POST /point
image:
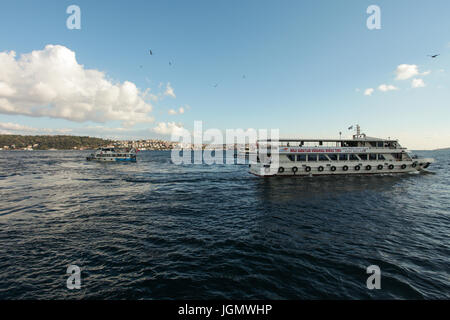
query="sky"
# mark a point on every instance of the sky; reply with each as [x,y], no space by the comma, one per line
[308,68]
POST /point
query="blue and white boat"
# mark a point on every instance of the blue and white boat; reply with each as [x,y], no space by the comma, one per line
[113,154]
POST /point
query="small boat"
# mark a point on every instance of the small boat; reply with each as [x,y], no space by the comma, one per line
[109,154]
[360,155]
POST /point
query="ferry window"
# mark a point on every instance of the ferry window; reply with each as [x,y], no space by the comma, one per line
[372,156]
[381,157]
[291,157]
[353,157]
[301,157]
[323,157]
[312,157]
[343,157]
[362,156]
[258,160]
[380,144]
[332,156]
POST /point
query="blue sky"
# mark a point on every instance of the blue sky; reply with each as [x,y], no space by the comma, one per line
[307,65]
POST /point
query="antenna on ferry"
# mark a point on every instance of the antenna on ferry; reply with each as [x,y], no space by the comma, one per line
[358,134]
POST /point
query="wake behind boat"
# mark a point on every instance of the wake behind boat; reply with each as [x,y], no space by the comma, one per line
[113,154]
[360,155]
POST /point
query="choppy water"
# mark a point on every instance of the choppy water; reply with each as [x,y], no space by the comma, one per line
[154,230]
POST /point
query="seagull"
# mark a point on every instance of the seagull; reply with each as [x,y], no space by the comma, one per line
[170,63]
[215,85]
[243,77]
[434,55]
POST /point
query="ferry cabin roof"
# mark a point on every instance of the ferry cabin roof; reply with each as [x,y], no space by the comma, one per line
[358,142]
[367,139]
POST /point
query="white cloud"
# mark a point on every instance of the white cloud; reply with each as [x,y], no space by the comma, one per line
[387,87]
[173,112]
[418,83]
[368,92]
[51,83]
[19,128]
[169,91]
[6,90]
[168,128]
[406,71]
[15,127]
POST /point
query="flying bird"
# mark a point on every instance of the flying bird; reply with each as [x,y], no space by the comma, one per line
[434,55]
[243,77]
[151,53]
[215,85]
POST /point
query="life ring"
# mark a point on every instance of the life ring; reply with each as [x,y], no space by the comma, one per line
[333,168]
[357,168]
[414,164]
[280,170]
[368,167]
[320,168]
[403,166]
[294,169]
[345,168]
[380,167]
[307,169]
[391,166]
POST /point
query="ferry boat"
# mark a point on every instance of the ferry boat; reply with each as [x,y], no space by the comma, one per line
[113,154]
[360,155]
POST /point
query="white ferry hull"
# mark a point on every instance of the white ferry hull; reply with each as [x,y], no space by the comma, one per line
[111,159]
[342,168]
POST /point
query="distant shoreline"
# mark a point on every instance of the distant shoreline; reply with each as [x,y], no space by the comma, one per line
[68,142]
[80,143]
